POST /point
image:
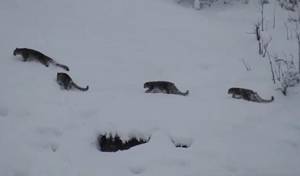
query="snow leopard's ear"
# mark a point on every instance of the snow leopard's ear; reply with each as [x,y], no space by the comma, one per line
[232,90]
[146,85]
[15,51]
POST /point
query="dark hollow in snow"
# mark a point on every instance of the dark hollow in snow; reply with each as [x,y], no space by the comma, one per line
[109,143]
[181,144]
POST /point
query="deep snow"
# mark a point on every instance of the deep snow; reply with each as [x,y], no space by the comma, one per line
[114,46]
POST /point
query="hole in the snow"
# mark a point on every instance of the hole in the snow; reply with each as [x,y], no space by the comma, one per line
[113,143]
[181,146]
[182,142]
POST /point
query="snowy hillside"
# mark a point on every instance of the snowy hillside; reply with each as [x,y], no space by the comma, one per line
[114,46]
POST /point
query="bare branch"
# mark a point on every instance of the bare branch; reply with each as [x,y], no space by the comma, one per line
[248,68]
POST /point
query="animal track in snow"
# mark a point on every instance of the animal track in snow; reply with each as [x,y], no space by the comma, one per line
[49,131]
[3,112]
[137,169]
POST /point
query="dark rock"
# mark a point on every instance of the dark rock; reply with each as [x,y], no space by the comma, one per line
[181,146]
[110,143]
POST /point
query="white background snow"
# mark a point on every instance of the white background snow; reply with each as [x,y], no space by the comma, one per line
[114,46]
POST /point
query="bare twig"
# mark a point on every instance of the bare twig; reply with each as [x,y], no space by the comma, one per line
[287,31]
[248,68]
[265,47]
[271,66]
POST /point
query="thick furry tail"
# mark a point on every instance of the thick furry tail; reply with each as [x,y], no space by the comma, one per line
[268,101]
[259,99]
[59,65]
[184,93]
[80,88]
[63,66]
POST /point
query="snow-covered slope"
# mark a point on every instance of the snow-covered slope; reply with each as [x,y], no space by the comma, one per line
[114,46]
